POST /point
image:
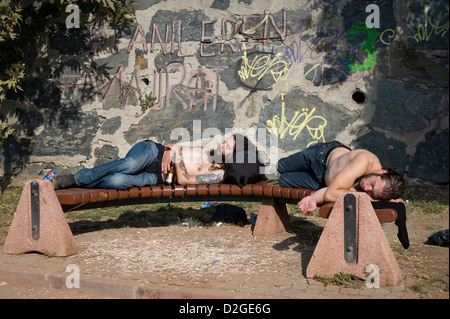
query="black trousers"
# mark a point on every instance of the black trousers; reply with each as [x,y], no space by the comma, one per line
[400,222]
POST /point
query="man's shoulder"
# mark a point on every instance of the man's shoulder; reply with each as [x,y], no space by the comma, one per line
[361,154]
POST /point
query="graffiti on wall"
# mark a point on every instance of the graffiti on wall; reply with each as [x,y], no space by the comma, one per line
[290,68]
[329,57]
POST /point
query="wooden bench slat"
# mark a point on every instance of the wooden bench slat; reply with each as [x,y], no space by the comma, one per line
[191,190]
[258,190]
[247,190]
[134,192]
[123,194]
[146,191]
[214,189]
[235,190]
[156,191]
[286,192]
[112,194]
[82,196]
[225,189]
[267,190]
[276,191]
[202,190]
[384,215]
[167,191]
[179,190]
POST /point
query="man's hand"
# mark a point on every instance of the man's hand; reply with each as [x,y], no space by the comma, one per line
[307,205]
[167,158]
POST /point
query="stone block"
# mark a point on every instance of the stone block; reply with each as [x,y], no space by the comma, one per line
[273,218]
[53,235]
[372,246]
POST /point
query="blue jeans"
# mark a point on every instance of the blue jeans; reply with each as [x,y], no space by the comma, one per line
[124,173]
[306,169]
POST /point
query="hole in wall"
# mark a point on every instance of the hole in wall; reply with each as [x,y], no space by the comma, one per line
[358,97]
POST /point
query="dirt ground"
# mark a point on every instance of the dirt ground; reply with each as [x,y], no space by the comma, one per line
[204,255]
[209,257]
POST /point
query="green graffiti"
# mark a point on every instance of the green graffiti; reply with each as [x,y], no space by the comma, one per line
[367,46]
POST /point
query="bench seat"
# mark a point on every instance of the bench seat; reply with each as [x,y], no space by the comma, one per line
[86,198]
[385,215]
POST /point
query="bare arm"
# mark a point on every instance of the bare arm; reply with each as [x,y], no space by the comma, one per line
[309,203]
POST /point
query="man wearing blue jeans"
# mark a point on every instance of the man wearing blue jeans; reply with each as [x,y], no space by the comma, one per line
[332,168]
[137,168]
[147,161]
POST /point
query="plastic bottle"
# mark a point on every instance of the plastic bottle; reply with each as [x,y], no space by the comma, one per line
[50,175]
[208,204]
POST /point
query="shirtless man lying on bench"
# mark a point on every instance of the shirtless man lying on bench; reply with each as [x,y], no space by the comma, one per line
[147,162]
[333,168]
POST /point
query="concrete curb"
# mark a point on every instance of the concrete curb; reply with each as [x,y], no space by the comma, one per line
[118,288]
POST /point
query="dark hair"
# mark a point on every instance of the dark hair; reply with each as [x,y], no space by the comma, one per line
[243,166]
[241,144]
[395,184]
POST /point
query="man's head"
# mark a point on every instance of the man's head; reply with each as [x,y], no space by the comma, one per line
[224,151]
[384,185]
[221,155]
[228,146]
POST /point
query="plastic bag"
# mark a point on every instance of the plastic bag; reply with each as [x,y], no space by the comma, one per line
[440,238]
[230,214]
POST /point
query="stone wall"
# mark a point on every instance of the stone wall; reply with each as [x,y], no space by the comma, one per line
[288,73]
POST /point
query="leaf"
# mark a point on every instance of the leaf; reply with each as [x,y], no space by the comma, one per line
[111,4]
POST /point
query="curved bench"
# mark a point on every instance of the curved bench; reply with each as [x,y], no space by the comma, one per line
[272,218]
[85,198]
[39,223]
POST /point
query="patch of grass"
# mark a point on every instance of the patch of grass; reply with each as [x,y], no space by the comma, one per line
[418,288]
[433,200]
[341,279]
[426,206]
[8,205]
[427,283]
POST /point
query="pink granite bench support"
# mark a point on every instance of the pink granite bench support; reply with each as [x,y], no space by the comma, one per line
[56,238]
[49,233]
[369,249]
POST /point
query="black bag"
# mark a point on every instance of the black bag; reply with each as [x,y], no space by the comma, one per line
[244,168]
[440,238]
[230,214]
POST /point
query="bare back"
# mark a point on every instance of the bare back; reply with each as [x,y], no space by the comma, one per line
[341,157]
